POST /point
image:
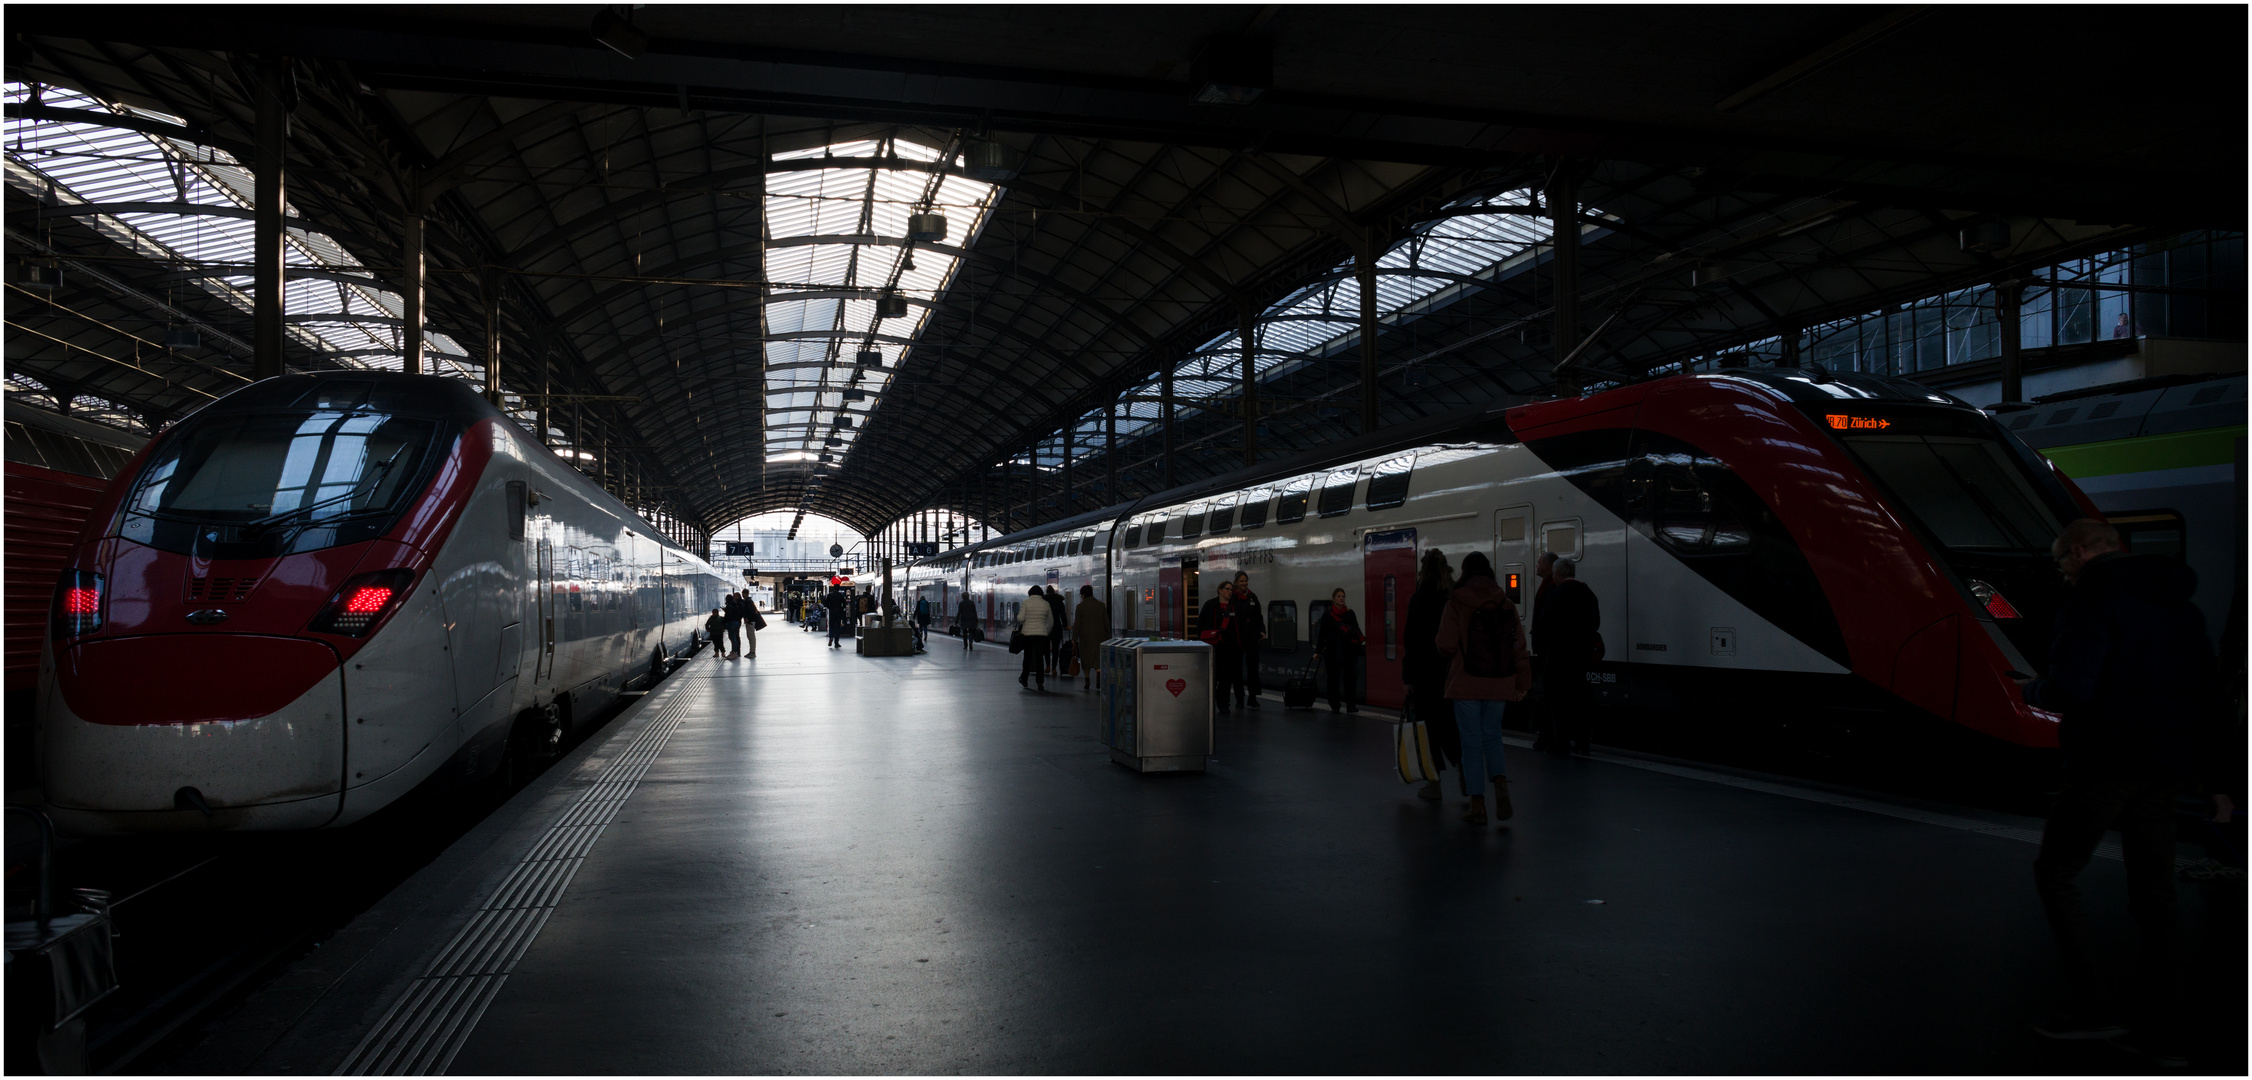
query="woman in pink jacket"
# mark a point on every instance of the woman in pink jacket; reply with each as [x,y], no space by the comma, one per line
[1487,665]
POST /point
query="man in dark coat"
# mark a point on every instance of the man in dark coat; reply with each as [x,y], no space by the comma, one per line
[966,622]
[840,607]
[1536,703]
[1338,644]
[2131,675]
[731,624]
[1567,621]
[1254,636]
[1056,638]
[1220,623]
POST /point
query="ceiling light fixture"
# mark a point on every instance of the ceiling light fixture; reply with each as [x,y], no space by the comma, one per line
[984,159]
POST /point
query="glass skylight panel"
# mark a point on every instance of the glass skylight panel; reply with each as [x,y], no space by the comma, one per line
[821,312]
[85,163]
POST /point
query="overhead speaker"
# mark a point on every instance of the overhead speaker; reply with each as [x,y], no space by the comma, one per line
[871,358]
[179,338]
[891,307]
[984,159]
[926,228]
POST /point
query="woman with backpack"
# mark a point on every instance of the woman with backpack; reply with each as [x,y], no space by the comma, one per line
[1487,667]
[1425,671]
[1338,645]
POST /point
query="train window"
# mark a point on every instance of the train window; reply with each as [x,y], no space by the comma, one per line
[1388,486]
[1192,524]
[1966,490]
[1133,536]
[515,509]
[1223,518]
[1315,613]
[1561,537]
[1337,493]
[1291,508]
[1255,508]
[1282,625]
[1687,515]
[1156,532]
[2151,532]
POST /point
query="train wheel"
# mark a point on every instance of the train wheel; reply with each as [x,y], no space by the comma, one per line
[533,743]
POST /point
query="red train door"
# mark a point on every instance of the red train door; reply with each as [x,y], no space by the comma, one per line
[1169,598]
[1388,575]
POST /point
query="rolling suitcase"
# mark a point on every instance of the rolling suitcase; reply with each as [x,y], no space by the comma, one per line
[1298,690]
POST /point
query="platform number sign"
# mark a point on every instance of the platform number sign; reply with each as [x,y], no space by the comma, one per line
[924,549]
[739,547]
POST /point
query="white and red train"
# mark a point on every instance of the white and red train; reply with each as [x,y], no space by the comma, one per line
[322,591]
[1789,538]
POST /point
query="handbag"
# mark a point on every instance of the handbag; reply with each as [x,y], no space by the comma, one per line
[1016,640]
[1411,749]
[1210,637]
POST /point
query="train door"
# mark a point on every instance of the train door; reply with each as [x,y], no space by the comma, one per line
[1388,575]
[1514,555]
[1169,598]
[544,666]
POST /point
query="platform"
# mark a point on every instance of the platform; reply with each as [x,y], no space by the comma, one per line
[820,862]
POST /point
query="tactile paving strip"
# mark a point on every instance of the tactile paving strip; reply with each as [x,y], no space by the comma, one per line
[427,1026]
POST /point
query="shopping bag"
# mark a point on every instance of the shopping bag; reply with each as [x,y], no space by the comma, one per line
[1411,749]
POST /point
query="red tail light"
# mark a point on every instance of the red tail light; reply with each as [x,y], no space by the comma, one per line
[78,603]
[1995,604]
[362,603]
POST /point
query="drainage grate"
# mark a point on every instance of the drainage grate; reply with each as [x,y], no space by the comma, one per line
[427,1026]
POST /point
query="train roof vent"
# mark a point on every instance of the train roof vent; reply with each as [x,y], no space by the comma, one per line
[2061,416]
[2103,410]
[2022,422]
[2209,395]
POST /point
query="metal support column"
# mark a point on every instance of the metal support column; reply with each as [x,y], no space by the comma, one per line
[410,292]
[270,197]
[1365,267]
[1110,455]
[1564,220]
[1247,335]
[491,281]
[2009,298]
[1165,402]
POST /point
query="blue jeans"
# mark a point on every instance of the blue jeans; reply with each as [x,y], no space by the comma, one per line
[1480,722]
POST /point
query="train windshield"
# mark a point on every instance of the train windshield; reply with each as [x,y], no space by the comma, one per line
[1956,476]
[272,483]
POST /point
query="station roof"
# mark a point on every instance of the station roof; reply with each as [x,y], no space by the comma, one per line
[692,244]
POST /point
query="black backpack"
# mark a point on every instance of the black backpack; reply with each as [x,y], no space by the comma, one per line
[1489,641]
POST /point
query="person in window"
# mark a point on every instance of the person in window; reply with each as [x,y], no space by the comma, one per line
[1221,626]
[1337,644]
[2121,329]
[1254,636]
[1488,667]
[2131,673]
[1036,621]
[1090,625]
[965,621]
[1424,670]
[1567,633]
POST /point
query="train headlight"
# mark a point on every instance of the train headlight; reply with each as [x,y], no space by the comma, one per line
[362,603]
[1995,604]
[78,603]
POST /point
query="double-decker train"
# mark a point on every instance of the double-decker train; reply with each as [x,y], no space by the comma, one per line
[1791,538]
[322,591]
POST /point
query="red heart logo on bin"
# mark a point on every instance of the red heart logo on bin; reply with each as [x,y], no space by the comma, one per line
[1176,686]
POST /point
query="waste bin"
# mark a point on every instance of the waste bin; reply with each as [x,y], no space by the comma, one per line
[1157,703]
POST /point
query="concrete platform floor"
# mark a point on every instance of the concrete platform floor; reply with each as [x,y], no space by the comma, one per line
[840,864]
